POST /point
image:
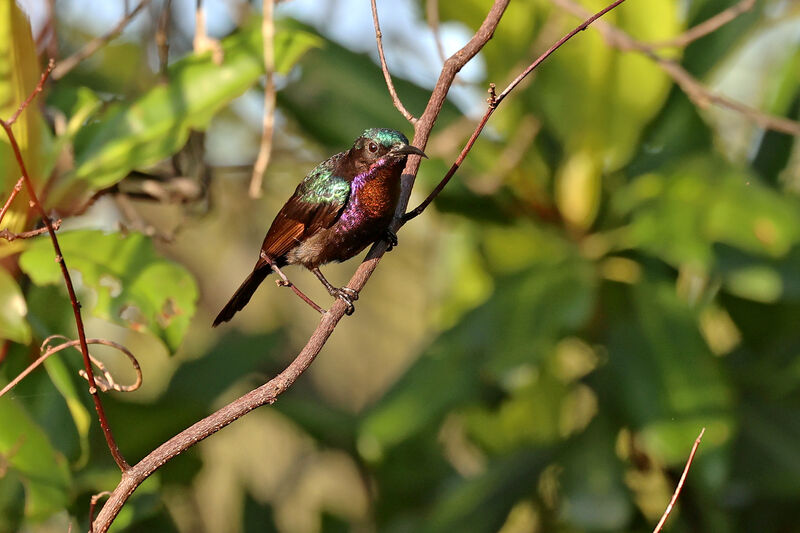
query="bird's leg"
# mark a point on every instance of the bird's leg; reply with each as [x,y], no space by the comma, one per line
[391,238]
[284,282]
[346,294]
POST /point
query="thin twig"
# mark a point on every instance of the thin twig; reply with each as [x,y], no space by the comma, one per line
[66,65]
[39,87]
[14,193]
[494,101]
[680,483]
[93,504]
[704,28]
[388,77]
[268,121]
[202,42]
[432,14]
[105,383]
[699,94]
[101,415]
[10,236]
[267,393]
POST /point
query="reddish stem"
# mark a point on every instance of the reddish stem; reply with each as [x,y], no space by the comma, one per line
[76,307]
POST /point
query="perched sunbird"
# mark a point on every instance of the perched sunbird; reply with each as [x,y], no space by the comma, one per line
[345,204]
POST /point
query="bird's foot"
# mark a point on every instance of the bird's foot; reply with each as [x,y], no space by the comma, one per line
[348,296]
[391,238]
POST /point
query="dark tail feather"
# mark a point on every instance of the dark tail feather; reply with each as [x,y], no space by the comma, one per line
[243,294]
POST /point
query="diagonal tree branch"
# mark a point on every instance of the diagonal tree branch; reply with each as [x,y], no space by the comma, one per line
[267,393]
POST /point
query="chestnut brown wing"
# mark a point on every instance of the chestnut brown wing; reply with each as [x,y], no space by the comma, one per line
[316,204]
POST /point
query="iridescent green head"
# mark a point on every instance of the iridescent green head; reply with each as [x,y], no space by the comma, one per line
[382,146]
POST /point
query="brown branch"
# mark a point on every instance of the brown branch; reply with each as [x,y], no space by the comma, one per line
[709,26]
[268,121]
[267,393]
[76,308]
[680,483]
[388,77]
[66,65]
[10,236]
[105,383]
[699,94]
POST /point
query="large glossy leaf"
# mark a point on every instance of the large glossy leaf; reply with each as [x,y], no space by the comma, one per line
[154,126]
[684,215]
[12,311]
[42,470]
[122,279]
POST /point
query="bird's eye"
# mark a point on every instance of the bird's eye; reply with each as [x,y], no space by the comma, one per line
[373,147]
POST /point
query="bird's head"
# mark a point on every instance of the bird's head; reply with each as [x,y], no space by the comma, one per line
[382,147]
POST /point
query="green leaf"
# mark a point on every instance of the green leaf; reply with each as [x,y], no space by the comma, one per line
[144,131]
[61,376]
[13,309]
[597,99]
[42,470]
[504,339]
[481,504]
[679,216]
[123,280]
[661,376]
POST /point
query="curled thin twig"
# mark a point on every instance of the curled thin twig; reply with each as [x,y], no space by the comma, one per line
[388,77]
[680,483]
[105,382]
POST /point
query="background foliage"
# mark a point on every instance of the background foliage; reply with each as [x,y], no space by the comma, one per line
[611,270]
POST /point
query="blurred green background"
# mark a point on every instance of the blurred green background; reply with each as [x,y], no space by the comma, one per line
[612,269]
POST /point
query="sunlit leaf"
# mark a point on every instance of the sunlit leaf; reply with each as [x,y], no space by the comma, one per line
[124,280]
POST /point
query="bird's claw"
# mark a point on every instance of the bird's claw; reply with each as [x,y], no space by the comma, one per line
[391,238]
[348,296]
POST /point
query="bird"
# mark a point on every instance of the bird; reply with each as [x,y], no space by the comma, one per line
[343,205]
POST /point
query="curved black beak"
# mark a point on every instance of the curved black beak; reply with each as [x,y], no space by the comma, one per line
[409,150]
